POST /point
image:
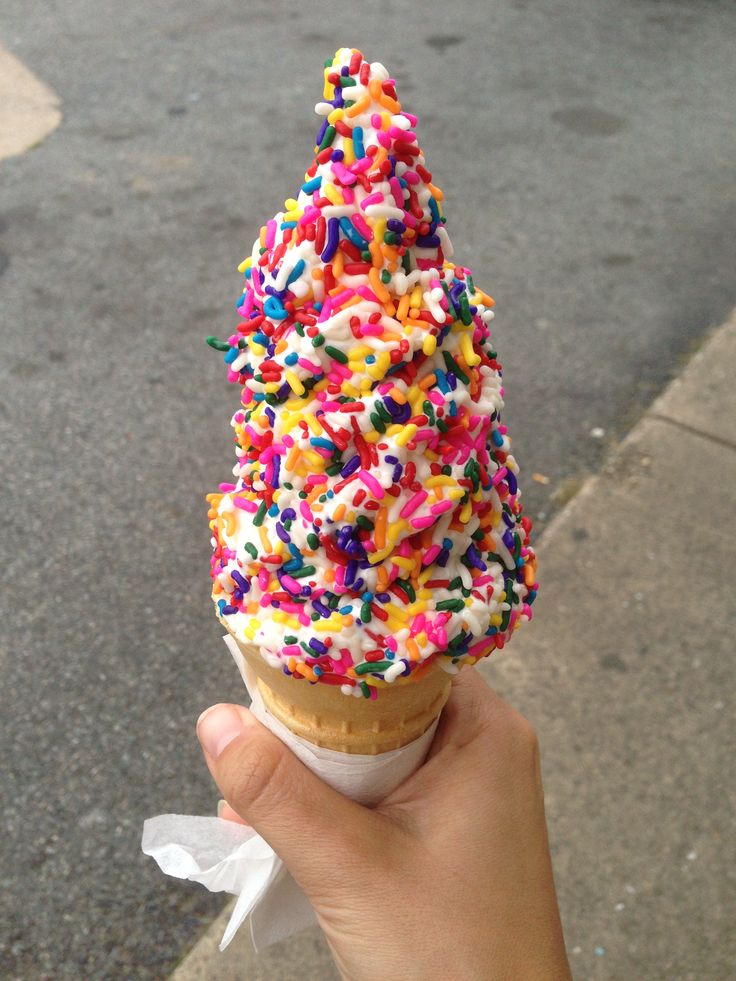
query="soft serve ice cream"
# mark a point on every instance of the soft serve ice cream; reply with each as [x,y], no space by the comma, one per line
[375,525]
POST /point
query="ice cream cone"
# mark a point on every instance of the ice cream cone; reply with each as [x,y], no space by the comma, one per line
[326,717]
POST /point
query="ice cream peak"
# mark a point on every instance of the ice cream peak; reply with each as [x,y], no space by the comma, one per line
[375,524]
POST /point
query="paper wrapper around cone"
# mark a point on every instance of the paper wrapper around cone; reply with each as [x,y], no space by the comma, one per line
[325,716]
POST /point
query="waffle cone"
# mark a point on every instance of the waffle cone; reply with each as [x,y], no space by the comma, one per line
[323,715]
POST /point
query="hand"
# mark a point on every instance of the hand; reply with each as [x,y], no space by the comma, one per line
[449,877]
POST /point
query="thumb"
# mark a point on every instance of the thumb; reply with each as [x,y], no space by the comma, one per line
[295,811]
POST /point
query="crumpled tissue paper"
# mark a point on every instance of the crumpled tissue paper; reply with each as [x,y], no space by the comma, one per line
[229,857]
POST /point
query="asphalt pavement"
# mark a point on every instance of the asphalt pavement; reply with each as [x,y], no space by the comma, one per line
[586,152]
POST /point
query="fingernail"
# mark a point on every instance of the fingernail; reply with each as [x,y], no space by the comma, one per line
[220,805]
[217,727]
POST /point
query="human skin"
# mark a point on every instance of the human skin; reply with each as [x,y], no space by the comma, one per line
[449,877]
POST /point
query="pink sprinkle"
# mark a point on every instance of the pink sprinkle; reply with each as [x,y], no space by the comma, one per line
[331,406]
[263,579]
[315,479]
[391,644]
[441,506]
[418,625]
[375,198]
[441,635]
[413,120]
[482,580]
[431,554]
[270,233]
[372,484]
[425,522]
[384,139]
[306,511]
[310,214]
[376,121]
[247,308]
[245,505]
[402,135]
[371,330]
[498,476]
[411,177]
[367,294]
[360,165]
[291,584]
[436,398]
[413,503]
[342,172]
[337,301]
[362,227]
[410,220]
[423,435]
[397,192]
[315,368]
[226,488]
[291,650]
[291,607]
[325,311]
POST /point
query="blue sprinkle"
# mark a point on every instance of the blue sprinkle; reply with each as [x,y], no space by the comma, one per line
[296,272]
[497,438]
[321,441]
[260,338]
[447,543]
[345,610]
[358,142]
[311,186]
[287,224]
[273,510]
[351,233]
[291,358]
[231,355]
[272,308]
[367,596]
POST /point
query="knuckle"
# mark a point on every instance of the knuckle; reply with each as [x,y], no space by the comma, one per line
[253,778]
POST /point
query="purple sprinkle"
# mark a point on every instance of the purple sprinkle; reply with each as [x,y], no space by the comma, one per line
[288,514]
[240,580]
[351,571]
[511,481]
[322,131]
[324,611]
[333,235]
[317,645]
[351,466]
[383,597]
[282,533]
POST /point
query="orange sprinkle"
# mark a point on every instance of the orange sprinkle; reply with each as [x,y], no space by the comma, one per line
[411,646]
[329,575]
[397,395]
[427,382]
[339,512]
[360,106]
[377,286]
[338,263]
[317,273]
[379,532]
[292,458]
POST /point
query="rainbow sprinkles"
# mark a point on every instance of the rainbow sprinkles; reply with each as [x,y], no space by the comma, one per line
[375,524]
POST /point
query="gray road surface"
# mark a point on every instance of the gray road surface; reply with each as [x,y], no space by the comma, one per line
[586,151]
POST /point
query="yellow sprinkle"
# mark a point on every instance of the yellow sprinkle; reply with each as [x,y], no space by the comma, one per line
[335,116]
[338,264]
[245,264]
[347,389]
[228,519]
[293,215]
[395,529]
[466,346]
[429,345]
[264,539]
[402,562]
[348,150]
[293,382]
[290,204]
[435,192]
[332,194]
[441,480]
[312,421]
[407,433]
[496,620]
[421,638]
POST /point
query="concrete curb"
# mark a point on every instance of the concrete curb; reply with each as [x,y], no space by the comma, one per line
[624,678]
[29,109]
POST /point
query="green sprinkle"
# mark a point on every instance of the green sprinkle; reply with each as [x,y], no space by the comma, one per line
[408,589]
[378,423]
[306,570]
[362,521]
[217,344]
[453,366]
[365,613]
[428,410]
[346,81]
[327,138]
[336,354]
[442,426]
[385,276]
[251,550]
[455,605]
[368,666]
[465,314]
[260,514]
[290,639]
[313,540]
[455,583]
[366,256]
[383,412]
[318,341]
[334,469]
[365,689]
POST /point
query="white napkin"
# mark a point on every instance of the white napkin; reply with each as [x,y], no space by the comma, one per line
[228,857]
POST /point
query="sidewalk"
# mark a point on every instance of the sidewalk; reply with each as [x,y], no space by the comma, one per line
[626,672]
